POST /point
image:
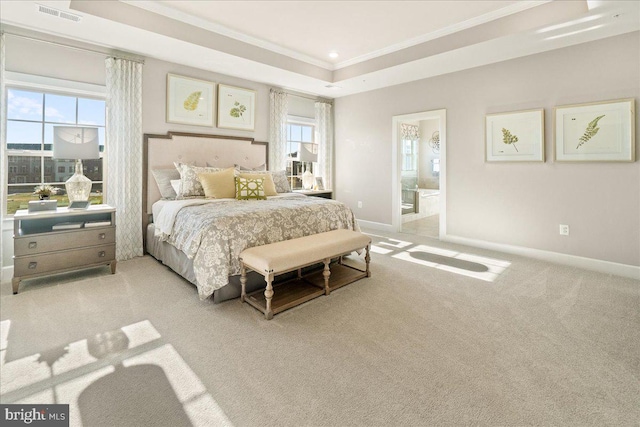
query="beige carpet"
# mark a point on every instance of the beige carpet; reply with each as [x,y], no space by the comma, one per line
[440,335]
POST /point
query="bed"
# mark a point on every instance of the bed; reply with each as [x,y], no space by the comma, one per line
[199,238]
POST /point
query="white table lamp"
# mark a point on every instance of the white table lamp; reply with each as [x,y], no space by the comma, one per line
[80,143]
[308,153]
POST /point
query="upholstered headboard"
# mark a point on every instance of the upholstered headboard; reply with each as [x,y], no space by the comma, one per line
[160,151]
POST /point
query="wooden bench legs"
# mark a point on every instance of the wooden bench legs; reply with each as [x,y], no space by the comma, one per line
[268,292]
[326,273]
[301,289]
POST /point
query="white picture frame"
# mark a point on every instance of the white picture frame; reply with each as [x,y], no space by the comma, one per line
[515,136]
[319,183]
[190,101]
[236,108]
[595,132]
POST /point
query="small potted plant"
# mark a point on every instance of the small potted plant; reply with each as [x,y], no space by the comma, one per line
[44,191]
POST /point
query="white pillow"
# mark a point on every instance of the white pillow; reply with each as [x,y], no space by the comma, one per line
[175,184]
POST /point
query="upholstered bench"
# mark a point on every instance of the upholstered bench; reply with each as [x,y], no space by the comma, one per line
[290,255]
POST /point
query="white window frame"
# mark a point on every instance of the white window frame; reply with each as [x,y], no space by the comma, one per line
[299,120]
[29,82]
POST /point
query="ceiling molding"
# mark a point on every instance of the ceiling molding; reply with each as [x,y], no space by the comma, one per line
[469,23]
[169,12]
[118,26]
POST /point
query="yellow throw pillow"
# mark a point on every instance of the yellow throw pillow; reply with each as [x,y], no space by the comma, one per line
[269,186]
[219,185]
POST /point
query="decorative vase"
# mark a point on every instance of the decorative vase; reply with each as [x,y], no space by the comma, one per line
[43,196]
[307,180]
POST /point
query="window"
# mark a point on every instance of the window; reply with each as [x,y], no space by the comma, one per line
[409,154]
[31,116]
[299,131]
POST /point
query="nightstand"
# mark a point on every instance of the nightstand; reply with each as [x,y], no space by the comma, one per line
[326,194]
[62,240]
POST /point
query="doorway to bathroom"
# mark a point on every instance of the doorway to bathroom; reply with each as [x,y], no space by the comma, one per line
[419,179]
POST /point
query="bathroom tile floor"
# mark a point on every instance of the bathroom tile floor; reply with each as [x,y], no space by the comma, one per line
[429,226]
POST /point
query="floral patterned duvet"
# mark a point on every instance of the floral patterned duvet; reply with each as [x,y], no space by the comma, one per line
[213,234]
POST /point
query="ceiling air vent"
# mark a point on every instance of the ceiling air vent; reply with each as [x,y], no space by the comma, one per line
[59,13]
[48,10]
[70,16]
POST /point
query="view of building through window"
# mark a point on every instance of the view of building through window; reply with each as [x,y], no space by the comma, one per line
[297,133]
[31,117]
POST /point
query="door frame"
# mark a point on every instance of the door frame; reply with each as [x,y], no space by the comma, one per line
[396,167]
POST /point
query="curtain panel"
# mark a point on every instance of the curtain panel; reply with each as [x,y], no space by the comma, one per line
[278,130]
[324,129]
[410,132]
[3,130]
[123,151]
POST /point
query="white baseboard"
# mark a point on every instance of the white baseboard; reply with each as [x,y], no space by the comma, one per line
[608,267]
[375,225]
[6,274]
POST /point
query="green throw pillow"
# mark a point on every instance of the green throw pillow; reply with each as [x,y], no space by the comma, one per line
[250,189]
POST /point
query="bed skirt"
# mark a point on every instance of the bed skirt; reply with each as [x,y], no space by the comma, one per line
[177,261]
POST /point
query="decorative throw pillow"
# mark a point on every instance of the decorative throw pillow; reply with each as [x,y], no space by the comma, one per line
[163,179]
[269,186]
[249,189]
[189,184]
[281,182]
[219,185]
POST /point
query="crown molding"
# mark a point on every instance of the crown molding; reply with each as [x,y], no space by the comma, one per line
[167,11]
[478,20]
[160,9]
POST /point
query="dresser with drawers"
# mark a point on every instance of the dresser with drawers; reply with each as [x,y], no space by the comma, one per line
[62,240]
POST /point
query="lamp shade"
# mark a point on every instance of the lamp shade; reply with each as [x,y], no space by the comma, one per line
[308,153]
[75,143]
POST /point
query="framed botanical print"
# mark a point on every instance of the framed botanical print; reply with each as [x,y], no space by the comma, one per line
[515,136]
[236,108]
[595,132]
[190,101]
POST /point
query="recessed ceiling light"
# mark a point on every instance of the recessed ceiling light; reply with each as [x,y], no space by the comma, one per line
[333,54]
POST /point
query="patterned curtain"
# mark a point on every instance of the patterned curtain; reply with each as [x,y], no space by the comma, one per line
[410,132]
[278,130]
[3,132]
[324,127]
[124,153]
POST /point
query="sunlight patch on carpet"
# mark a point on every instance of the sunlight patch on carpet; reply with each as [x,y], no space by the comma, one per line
[388,245]
[129,372]
[483,268]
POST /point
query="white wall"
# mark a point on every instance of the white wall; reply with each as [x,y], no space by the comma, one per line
[426,177]
[515,204]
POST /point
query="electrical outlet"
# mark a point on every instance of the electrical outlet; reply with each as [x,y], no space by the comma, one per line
[564,230]
[359,204]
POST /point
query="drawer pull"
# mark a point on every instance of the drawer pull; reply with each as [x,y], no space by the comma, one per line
[101,254]
[33,245]
[33,265]
[102,236]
